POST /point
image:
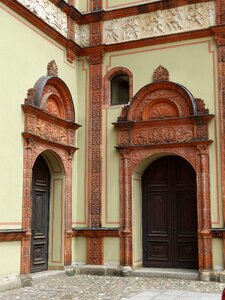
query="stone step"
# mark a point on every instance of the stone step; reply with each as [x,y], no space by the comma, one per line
[167,273]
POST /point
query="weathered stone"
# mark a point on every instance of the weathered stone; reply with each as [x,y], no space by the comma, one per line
[70,271]
[126,271]
[94,270]
[26,280]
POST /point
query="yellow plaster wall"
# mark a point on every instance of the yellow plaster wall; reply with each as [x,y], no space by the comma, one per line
[25,53]
[112,251]
[9,258]
[79,248]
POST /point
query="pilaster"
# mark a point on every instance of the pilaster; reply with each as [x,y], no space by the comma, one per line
[94,57]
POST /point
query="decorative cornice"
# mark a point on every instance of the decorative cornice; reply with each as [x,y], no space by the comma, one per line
[81,36]
[8,235]
[100,232]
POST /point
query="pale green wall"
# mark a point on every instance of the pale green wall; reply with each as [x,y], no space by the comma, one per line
[110,171]
[113,4]
[217,254]
[79,249]
[82,5]
[80,164]
[23,60]
[9,258]
[137,219]
[190,63]
[111,251]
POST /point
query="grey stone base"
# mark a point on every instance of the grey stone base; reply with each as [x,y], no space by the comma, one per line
[18,281]
[210,275]
[101,270]
[10,283]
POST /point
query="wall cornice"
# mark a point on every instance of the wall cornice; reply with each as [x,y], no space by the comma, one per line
[74,49]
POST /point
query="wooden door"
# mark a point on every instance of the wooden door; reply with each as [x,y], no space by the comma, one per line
[169,214]
[40,215]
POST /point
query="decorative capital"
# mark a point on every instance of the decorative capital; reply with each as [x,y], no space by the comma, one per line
[203,149]
[30,97]
[219,35]
[220,39]
[125,152]
[52,69]
[160,74]
[95,59]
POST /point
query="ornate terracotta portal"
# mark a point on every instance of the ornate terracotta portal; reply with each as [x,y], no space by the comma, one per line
[165,118]
[49,127]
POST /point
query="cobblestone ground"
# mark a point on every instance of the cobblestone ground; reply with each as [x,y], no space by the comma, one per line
[83,287]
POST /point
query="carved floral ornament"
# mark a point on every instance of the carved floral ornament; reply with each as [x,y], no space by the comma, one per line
[49,111]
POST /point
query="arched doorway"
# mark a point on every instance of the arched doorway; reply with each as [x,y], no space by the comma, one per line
[40,215]
[169,214]
[49,131]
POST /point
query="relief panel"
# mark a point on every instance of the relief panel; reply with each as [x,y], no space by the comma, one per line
[48,12]
[161,22]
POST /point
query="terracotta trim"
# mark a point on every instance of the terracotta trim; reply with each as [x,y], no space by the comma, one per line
[105,15]
[107,84]
[218,233]
[97,233]
[46,132]
[8,235]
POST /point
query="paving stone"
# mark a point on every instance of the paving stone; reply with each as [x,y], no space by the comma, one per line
[90,287]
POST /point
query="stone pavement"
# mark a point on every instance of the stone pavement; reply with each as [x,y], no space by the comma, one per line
[89,287]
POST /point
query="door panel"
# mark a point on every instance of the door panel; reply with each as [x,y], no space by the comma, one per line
[169,214]
[40,216]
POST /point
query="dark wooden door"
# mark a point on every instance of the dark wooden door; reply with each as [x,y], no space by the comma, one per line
[169,214]
[40,216]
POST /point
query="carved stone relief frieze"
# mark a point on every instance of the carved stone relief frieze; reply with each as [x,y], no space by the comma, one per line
[158,135]
[82,35]
[48,12]
[51,132]
[161,22]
